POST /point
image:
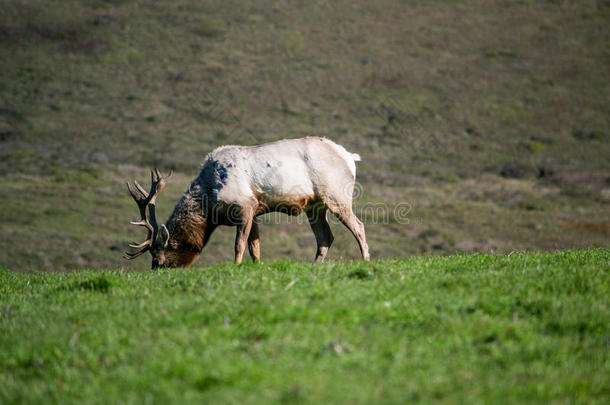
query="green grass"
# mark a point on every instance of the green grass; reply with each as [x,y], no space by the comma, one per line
[526,328]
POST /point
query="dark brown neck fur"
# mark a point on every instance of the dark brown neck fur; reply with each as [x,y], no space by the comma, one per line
[187,226]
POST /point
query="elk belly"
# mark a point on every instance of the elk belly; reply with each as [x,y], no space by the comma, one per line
[291,205]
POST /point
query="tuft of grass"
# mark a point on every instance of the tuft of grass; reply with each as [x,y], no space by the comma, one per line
[536,146]
[98,284]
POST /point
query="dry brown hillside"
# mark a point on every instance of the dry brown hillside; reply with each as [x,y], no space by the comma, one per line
[482,125]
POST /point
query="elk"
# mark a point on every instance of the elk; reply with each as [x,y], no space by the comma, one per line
[238,183]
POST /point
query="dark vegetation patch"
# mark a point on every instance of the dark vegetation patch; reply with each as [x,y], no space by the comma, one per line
[589,135]
[100,284]
[361,274]
[209,381]
[515,170]
[8,135]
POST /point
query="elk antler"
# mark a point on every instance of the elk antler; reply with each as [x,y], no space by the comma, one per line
[144,199]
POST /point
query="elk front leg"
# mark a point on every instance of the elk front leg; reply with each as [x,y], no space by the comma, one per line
[254,243]
[243,230]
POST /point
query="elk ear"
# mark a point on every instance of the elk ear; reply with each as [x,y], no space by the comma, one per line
[163,235]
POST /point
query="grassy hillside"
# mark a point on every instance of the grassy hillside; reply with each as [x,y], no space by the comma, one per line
[523,328]
[488,118]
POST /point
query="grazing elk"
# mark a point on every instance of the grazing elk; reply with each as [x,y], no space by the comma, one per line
[237,183]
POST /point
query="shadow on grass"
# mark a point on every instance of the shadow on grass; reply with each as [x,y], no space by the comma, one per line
[97,284]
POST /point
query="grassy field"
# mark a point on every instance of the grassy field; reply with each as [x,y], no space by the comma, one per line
[526,328]
[483,127]
[488,117]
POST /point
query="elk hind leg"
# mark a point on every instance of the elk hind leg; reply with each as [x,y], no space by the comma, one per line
[351,222]
[321,230]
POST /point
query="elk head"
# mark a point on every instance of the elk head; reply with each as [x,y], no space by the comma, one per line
[158,237]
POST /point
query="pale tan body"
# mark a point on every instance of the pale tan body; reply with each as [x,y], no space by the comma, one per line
[237,183]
